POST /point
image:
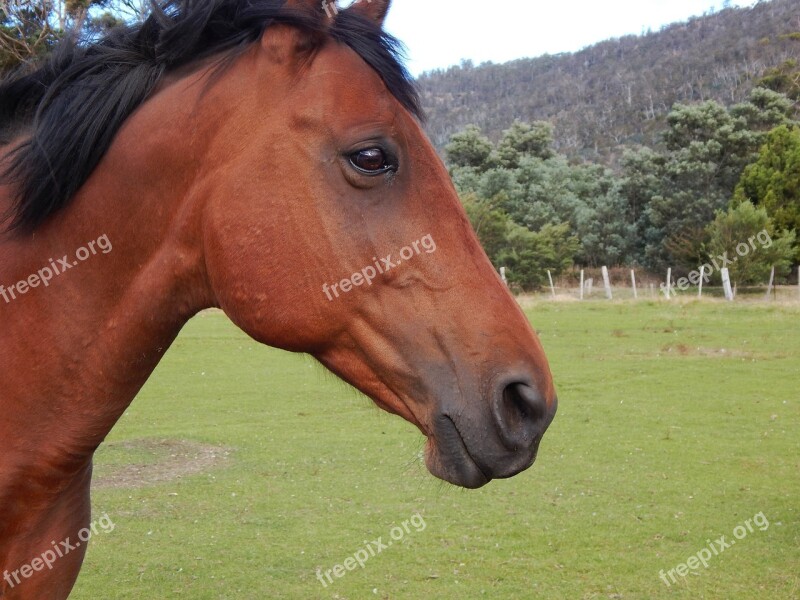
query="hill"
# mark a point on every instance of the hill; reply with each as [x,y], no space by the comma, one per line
[620,91]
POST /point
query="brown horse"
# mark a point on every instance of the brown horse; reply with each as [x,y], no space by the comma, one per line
[260,156]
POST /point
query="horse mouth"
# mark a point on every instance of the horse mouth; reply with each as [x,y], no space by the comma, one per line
[447,457]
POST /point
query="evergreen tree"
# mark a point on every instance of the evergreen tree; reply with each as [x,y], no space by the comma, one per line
[748,238]
[469,148]
[707,149]
[525,139]
[773,181]
[491,225]
[528,255]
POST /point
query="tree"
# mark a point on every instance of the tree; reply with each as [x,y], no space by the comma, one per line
[30,29]
[528,255]
[605,235]
[491,225]
[785,78]
[541,192]
[643,172]
[469,148]
[714,143]
[764,110]
[525,139]
[773,181]
[747,237]
[25,32]
[707,149]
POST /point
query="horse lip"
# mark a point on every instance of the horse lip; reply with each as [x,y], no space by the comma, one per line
[464,447]
[456,464]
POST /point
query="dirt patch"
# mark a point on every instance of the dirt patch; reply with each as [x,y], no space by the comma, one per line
[139,463]
[684,350]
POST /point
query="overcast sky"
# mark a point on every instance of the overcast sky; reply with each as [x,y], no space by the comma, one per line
[439,33]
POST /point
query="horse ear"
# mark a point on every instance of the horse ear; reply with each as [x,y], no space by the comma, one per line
[375,10]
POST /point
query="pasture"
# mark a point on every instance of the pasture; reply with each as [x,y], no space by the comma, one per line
[240,470]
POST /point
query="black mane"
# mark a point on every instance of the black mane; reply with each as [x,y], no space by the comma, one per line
[73,106]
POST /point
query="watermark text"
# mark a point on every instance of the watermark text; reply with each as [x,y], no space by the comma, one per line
[379,267]
[59,550]
[717,264]
[714,548]
[55,268]
[371,549]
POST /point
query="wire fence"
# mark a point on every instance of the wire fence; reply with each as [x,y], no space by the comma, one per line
[630,284]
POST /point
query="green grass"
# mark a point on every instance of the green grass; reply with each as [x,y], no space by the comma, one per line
[677,422]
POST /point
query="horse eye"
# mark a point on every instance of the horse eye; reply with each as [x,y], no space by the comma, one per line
[372,161]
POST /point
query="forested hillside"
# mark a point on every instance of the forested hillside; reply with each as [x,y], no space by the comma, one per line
[620,91]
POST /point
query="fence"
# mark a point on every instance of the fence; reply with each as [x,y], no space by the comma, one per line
[630,284]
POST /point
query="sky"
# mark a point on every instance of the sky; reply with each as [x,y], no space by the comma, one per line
[439,33]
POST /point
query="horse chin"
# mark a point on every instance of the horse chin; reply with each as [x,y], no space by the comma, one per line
[449,456]
[454,464]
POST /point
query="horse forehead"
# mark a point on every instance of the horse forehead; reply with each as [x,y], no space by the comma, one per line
[345,78]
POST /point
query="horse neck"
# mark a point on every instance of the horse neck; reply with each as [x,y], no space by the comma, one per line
[75,353]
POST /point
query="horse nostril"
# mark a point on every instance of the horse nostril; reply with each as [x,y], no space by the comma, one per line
[521,414]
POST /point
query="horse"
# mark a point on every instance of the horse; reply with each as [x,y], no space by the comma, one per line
[262,157]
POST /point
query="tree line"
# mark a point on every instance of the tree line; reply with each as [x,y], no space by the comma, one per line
[718,176]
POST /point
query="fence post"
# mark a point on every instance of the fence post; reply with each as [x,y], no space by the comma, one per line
[552,287]
[581,284]
[702,276]
[771,281]
[503,275]
[607,283]
[668,289]
[633,282]
[726,283]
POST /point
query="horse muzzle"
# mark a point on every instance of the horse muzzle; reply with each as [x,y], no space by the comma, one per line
[470,450]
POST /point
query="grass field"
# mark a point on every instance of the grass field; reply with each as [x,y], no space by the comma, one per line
[253,468]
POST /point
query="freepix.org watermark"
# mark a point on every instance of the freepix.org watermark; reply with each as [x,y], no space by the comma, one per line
[59,550]
[715,548]
[707,270]
[371,549]
[56,267]
[379,267]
